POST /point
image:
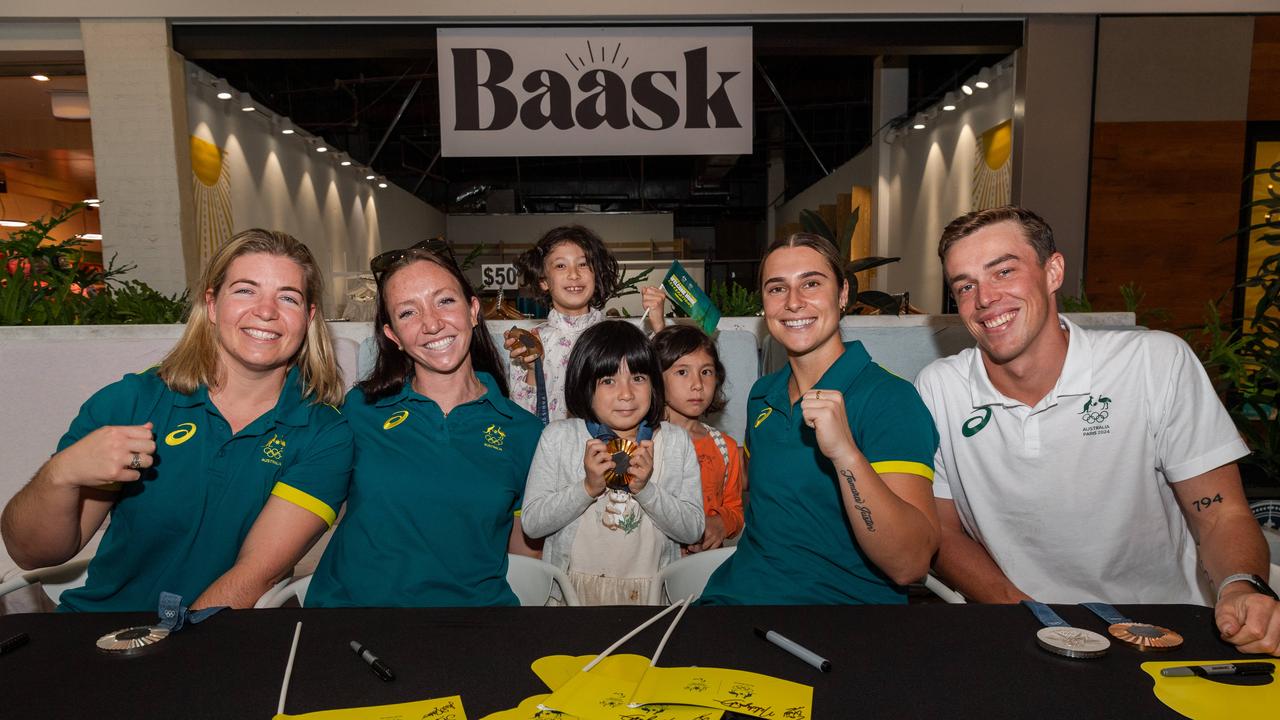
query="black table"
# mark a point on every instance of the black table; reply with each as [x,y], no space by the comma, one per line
[936,661]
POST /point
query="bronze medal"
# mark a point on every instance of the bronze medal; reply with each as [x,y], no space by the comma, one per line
[1144,636]
[529,341]
[621,450]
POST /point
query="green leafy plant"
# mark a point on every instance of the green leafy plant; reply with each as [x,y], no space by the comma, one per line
[734,300]
[49,283]
[864,302]
[630,284]
[1076,303]
[1244,362]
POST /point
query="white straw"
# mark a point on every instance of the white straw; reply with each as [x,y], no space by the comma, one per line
[665,636]
[288,668]
[628,636]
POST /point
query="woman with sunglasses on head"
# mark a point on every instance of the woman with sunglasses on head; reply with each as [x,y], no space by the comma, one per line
[441,453]
[220,466]
[841,456]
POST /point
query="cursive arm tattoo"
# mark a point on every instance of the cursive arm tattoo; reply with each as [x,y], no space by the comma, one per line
[858,502]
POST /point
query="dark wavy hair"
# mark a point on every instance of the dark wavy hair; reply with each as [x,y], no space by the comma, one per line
[675,341]
[393,366]
[604,266]
[598,353]
[816,243]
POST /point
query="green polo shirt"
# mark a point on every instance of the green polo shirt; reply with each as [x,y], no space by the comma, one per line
[433,498]
[798,547]
[180,527]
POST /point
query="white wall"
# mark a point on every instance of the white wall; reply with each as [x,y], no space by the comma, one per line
[278,182]
[613,228]
[931,182]
[857,171]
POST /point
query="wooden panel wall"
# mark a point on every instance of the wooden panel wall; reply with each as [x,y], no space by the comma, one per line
[1264,74]
[1161,196]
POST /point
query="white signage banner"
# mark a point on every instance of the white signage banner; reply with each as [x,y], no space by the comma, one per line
[595,91]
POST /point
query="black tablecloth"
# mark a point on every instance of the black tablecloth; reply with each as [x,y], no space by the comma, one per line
[932,661]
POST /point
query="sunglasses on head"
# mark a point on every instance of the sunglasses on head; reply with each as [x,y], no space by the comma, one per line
[436,245]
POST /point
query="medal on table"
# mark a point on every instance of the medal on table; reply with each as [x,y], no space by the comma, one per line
[1143,636]
[140,638]
[1062,639]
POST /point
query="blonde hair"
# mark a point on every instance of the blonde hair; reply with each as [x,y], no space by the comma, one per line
[194,360]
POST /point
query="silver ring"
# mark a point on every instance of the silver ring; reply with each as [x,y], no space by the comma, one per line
[136,462]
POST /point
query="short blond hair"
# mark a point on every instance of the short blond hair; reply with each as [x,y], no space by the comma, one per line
[194,360]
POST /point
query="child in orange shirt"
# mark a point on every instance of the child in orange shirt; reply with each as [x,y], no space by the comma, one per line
[693,378]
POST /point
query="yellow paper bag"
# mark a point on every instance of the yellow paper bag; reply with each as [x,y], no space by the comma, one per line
[1203,699]
[447,708]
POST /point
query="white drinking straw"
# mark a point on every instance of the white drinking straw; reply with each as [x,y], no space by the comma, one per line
[288,668]
[630,635]
[665,636]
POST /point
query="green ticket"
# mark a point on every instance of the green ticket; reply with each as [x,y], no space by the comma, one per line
[687,295]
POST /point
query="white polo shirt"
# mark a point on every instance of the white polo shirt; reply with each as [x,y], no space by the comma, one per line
[1073,497]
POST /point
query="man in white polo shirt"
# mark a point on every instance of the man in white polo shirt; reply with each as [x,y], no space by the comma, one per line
[1081,465]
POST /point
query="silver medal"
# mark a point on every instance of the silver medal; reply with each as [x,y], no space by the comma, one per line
[1072,642]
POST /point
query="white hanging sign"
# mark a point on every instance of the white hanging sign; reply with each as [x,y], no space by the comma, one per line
[595,91]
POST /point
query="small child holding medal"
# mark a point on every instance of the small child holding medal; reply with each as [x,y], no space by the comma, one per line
[574,270]
[613,489]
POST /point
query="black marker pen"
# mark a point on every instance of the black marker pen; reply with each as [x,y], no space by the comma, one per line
[379,668]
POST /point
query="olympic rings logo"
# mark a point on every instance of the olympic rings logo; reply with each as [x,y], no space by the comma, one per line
[272,452]
[1095,418]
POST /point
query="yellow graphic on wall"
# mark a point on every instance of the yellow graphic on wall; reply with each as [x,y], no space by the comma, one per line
[211,186]
[1266,154]
[993,168]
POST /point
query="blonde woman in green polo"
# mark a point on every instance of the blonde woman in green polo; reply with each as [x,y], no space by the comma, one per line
[219,467]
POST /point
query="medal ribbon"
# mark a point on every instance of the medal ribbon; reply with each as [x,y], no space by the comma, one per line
[1109,615]
[540,384]
[173,614]
[600,432]
[1045,614]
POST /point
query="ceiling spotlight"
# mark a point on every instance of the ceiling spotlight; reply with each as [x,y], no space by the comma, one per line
[90,236]
[370,176]
[246,103]
[342,159]
[949,102]
[382,182]
[967,89]
[223,89]
[346,162]
[286,126]
[13,223]
[40,78]
[92,202]
[918,123]
[984,79]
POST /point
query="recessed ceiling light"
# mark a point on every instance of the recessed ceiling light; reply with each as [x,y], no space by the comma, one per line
[967,89]
[40,78]
[345,163]
[371,176]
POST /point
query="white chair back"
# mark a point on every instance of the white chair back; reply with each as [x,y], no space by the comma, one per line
[686,576]
[531,580]
[278,596]
[54,580]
